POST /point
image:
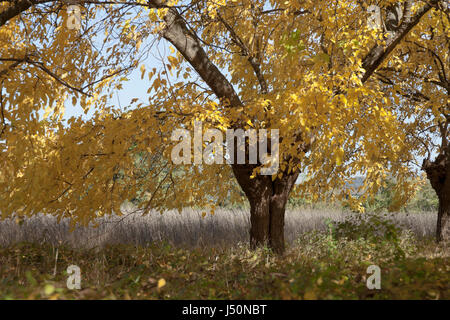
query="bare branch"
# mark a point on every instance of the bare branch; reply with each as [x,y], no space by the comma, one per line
[246,52]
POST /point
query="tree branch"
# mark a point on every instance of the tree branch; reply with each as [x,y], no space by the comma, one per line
[377,54]
[246,52]
[14,9]
[188,44]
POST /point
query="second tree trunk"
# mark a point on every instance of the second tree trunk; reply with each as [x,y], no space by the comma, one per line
[267,200]
[438,173]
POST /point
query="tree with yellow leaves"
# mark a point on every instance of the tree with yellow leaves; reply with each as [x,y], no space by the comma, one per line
[417,85]
[305,68]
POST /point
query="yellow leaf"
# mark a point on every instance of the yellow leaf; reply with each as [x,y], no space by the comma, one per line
[339,156]
[161,283]
[172,60]
[142,71]
[310,295]
[49,289]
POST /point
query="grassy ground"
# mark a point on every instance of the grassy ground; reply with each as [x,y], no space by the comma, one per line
[198,258]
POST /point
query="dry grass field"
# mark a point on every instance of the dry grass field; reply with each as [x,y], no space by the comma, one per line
[208,258]
[227,227]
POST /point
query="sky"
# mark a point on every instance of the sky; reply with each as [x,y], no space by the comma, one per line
[135,87]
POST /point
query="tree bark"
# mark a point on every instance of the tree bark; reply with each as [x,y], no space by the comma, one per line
[267,200]
[14,9]
[443,226]
[438,173]
[281,188]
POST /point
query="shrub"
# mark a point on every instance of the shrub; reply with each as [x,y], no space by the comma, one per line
[376,229]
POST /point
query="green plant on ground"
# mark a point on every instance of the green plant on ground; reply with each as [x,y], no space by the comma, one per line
[377,229]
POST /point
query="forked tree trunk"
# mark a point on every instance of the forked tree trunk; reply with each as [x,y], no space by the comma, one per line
[267,206]
[438,173]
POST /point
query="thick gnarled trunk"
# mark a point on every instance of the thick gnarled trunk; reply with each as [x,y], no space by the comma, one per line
[267,206]
[438,173]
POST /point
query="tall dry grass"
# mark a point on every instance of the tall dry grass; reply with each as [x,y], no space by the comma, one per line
[188,229]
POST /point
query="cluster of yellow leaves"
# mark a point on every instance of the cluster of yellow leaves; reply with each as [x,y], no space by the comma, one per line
[309,57]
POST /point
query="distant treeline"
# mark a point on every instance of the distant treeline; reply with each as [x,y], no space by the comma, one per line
[425,200]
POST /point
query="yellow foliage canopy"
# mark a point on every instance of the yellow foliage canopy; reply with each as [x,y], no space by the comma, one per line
[297,66]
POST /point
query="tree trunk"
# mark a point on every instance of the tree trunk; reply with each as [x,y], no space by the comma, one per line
[281,188]
[438,173]
[443,225]
[267,206]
